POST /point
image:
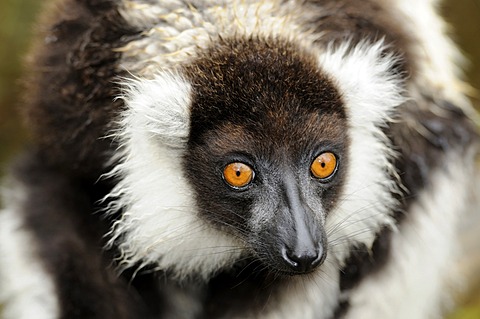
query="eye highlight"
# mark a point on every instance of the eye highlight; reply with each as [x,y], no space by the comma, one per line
[238,174]
[324,165]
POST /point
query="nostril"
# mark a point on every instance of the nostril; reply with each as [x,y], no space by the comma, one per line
[291,262]
[302,261]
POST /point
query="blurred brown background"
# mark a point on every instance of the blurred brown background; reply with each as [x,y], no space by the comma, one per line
[17,23]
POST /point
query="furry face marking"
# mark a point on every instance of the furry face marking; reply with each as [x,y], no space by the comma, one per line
[248,113]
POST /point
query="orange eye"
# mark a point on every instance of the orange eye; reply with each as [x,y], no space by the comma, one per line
[324,165]
[238,174]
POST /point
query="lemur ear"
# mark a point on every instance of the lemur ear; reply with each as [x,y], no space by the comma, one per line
[157,108]
[366,77]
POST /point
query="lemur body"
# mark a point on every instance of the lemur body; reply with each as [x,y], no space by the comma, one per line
[238,159]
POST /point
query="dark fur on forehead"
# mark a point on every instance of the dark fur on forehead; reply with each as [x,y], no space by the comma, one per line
[263,85]
[266,103]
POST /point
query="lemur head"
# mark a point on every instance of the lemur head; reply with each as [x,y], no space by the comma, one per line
[255,148]
[266,150]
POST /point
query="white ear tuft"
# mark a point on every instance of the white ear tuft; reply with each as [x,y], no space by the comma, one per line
[364,74]
[159,107]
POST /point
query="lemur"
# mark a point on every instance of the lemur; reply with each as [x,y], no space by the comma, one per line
[238,159]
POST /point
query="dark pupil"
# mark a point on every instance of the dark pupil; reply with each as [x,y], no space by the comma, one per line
[322,164]
[237,173]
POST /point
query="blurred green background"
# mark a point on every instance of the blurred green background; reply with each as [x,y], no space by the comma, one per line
[17,22]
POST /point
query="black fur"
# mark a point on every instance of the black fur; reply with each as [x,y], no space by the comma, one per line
[262,103]
[69,236]
[71,86]
[447,129]
[261,91]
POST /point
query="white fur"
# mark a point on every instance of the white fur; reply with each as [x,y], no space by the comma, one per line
[176,30]
[371,94]
[423,255]
[160,225]
[26,289]
[159,107]
[313,297]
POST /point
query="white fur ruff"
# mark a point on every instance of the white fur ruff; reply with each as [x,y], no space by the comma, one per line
[160,225]
[423,255]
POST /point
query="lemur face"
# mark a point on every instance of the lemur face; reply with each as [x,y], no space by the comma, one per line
[267,150]
[259,149]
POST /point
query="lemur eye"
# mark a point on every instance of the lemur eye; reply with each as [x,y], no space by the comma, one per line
[324,165]
[238,175]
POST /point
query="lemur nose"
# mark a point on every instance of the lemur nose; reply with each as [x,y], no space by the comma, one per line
[303,261]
